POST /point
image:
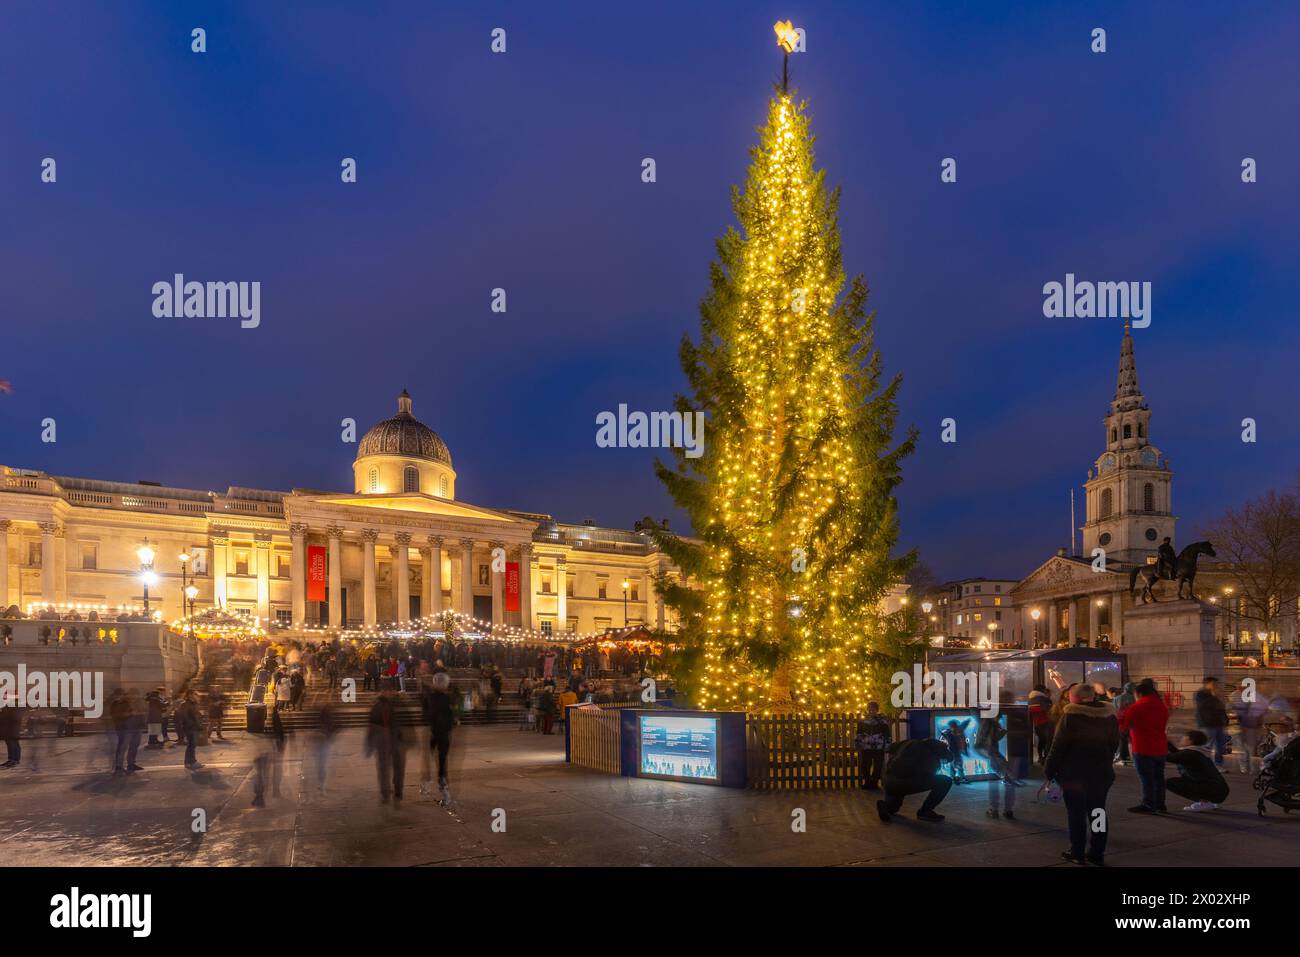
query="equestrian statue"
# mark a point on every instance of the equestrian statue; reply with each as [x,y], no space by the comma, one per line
[1180,569]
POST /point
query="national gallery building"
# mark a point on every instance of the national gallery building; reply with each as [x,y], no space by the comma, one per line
[397,547]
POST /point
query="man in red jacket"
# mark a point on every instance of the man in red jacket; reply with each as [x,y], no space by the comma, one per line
[1144,722]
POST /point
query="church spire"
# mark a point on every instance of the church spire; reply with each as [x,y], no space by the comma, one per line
[1127,393]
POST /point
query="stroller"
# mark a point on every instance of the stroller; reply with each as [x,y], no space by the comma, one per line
[1279,782]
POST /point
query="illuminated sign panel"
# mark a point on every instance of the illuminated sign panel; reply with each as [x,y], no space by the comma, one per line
[678,747]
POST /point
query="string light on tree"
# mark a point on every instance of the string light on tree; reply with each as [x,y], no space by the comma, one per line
[801,455]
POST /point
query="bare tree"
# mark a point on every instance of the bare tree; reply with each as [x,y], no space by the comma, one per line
[1258,546]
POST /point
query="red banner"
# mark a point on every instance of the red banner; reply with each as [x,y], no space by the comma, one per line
[512,586]
[316,573]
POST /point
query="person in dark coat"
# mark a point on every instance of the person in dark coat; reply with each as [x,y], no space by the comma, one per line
[188,726]
[914,767]
[1199,778]
[440,719]
[872,738]
[386,740]
[11,723]
[1212,717]
[1082,763]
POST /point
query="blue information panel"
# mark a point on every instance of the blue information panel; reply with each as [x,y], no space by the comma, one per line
[677,747]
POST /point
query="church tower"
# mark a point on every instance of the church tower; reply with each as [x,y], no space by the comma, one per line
[1129,509]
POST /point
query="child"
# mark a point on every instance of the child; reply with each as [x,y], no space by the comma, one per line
[955,737]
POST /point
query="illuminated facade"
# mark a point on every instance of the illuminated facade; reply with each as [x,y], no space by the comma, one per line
[397,547]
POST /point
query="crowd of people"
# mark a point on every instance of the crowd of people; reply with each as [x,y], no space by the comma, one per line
[1079,738]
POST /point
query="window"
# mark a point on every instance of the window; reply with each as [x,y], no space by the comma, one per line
[572,625]
[602,587]
[997,588]
[89,556]
[997,615]
[959,619]
[284,616]
[1128,431]
[442,486]
[568,586]
[603,624]
[997,601]
[241,563]
[633,590]
[1148,497]
[1107,503]
[1114,436]
[979,588]
[33,554]
[548,626]
[1141,431]
[546,583]
[410,479]
[282,566]
[977,617]
[374,480]
[979,601]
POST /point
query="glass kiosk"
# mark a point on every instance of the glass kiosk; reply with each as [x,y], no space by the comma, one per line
[1019,671]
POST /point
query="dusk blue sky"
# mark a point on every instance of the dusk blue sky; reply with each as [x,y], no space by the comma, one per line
[522,171]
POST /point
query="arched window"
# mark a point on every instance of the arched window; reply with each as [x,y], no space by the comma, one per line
[1141,431]
[442,486]
[410,479]
[1107,503]
[374,480]
[1114,435]
[1128,431]
[1148,497]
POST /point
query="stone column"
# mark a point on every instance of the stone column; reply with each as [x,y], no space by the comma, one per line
[219,541]
[48,562]
[1072,609]
[1053,624]
[561,596]
[1117,618]
[402,572]
[262,546]
[61,566]
[4,562]
[526,587]
[336,576]
[498,585]
[369,613]
[298,571]
[1094,621]
[433,606]
[467,577]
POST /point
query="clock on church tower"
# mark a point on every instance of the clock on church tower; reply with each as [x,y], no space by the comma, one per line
[1128,511]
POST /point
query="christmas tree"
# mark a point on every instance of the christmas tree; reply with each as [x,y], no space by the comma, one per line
[792,499]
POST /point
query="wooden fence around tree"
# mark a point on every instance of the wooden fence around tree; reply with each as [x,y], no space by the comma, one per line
[594,737]
[783,752]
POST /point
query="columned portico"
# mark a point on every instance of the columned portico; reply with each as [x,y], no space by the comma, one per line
[402,573]
[498,584]
[49,563]
[298,571]
[262,546]
[561,595]
[467,577]
[433,576]
[220,587]
[336,576]
[369,612]
[4,562]
[526,586]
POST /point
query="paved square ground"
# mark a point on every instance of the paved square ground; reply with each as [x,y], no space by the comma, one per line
[69,810]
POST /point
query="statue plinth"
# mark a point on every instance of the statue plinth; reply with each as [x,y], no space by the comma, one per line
[1174,643]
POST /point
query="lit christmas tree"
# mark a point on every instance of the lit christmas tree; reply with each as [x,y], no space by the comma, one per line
[792,499]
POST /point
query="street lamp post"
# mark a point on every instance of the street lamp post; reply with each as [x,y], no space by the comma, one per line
[185,564]
[1036,614]
[625,588]
[1227,604]
[925,607]
[147,576]
[191,592]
